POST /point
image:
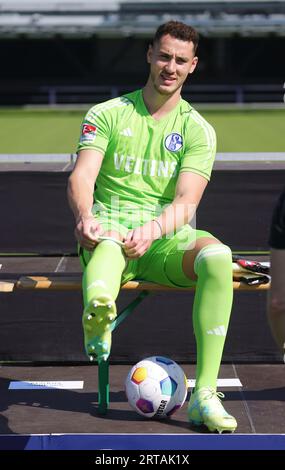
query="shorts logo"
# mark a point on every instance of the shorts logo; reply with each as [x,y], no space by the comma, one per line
[173,142]
[88,132]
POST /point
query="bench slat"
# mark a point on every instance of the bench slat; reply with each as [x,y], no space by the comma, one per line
[74,283]
[7,286]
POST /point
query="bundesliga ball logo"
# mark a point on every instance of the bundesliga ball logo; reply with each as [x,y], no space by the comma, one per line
[156,387]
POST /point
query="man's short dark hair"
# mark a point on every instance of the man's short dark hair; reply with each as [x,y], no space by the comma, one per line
[177,30]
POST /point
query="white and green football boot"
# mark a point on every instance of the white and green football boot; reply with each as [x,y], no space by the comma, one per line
[205,407]
[97,319]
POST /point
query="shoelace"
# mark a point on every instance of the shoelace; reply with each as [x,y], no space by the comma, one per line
[218,395]
[212,393]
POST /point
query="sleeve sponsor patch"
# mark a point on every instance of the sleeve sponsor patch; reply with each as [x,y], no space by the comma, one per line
[88,133]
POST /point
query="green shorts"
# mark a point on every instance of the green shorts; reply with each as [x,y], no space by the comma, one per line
[162,263]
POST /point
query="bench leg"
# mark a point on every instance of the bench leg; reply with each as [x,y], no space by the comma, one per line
[129,309]
[103,387]
[103,366]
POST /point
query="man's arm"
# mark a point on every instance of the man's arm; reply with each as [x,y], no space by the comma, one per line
[80,191]
[276,298]
[189,190]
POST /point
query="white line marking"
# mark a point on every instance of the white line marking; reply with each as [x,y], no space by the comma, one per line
[245,405]
[61,265]
[65,166]
[47,385]
[220,383]
[67,157]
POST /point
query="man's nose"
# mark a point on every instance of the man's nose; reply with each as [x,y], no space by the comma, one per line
[171,66]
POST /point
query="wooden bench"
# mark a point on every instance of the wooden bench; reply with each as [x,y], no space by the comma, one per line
[72,282]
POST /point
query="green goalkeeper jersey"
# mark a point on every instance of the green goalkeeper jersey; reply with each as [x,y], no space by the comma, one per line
[142,156]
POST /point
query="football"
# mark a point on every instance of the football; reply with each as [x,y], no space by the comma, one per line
[156,387]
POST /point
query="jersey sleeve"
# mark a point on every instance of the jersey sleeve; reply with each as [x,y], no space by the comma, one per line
[200,148]
[95,130]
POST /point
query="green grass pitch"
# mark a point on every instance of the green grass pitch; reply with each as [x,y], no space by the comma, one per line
[57,131]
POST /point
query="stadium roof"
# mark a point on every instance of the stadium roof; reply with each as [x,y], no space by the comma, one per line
[111,18]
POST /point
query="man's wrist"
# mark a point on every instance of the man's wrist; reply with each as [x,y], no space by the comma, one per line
[81,217]
[158,232]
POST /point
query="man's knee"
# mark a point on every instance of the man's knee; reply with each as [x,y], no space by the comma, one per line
[215,259]
[200,251]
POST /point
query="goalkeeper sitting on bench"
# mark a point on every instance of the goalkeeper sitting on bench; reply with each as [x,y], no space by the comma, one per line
[150,155]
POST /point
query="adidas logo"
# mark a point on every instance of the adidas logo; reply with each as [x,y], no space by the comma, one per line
[219,331]
[127,132]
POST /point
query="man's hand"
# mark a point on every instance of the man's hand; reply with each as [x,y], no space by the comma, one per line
[87,231]
[138,240]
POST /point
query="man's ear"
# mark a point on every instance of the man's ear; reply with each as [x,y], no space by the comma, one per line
[149,54]
[193,65]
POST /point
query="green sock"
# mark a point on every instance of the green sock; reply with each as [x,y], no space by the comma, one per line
[101,284]
[211,311]
[103,272]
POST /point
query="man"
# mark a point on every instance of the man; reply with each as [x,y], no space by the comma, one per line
[276,303]
[151,155]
